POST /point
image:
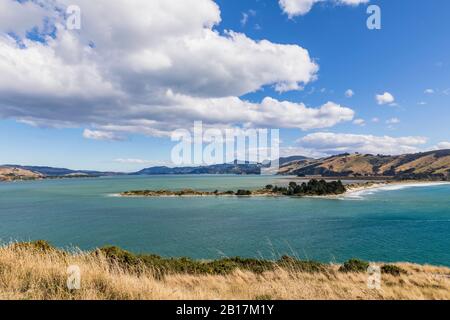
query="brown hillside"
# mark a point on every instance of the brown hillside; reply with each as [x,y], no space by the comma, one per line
[11,174]
[429,165]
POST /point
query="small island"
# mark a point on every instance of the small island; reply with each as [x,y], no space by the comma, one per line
[312,188]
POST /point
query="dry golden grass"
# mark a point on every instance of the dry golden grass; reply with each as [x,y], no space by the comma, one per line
[28,273]
[10,174]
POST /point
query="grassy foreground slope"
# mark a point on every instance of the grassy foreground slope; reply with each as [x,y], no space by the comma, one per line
[38,271]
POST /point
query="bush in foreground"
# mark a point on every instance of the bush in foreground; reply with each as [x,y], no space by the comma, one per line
[392,270]
[354,265]
[164,266]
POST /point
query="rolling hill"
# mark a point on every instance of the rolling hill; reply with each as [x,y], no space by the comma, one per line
[427,165]
[16,172]
[12,173]
[61,172]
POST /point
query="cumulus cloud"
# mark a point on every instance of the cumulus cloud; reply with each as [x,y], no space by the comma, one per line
[332,143]
[349,93]
[124,72]
[429,91]
[301,7]
[221,112]
[385,98]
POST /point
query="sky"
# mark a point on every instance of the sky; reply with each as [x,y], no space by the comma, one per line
[108,96]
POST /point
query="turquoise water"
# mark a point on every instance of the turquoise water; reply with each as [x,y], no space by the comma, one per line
[409,224]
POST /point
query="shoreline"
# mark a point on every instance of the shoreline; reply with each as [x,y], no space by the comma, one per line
[357,188]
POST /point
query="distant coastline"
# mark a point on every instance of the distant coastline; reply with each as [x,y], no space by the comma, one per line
[432,165]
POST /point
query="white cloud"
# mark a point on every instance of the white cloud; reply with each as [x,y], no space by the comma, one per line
[393,121]
[301,7]
[101,135]
[429,91]
[385,98]
[297,7]
[443,145]
[360,122]
[332,143]
[353,2]
[123,72]
[19,17]
[375,120]
[222,112]
[349,93]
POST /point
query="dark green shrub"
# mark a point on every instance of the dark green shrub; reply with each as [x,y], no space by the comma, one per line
[392,270]
[354,265]
[163,266]
[313,187]
[120,256]
[243,193]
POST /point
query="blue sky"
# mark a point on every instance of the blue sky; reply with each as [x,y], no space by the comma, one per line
[407,57]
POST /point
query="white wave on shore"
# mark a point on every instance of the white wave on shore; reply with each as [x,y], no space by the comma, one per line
[359,193]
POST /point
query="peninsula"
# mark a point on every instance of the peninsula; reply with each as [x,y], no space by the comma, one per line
[312,188]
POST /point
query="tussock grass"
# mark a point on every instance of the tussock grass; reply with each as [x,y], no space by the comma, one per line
[38,271]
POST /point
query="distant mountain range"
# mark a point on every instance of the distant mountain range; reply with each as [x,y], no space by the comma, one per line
[237,167]
[427,165]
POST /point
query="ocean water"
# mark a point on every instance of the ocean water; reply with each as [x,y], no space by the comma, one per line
[389,224]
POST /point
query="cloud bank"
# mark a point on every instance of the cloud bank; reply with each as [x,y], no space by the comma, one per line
[128,71]
[333,143]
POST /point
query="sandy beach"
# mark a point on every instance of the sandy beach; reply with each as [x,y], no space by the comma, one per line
[358,189]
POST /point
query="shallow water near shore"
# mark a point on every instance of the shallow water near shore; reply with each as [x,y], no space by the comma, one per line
[394,223]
